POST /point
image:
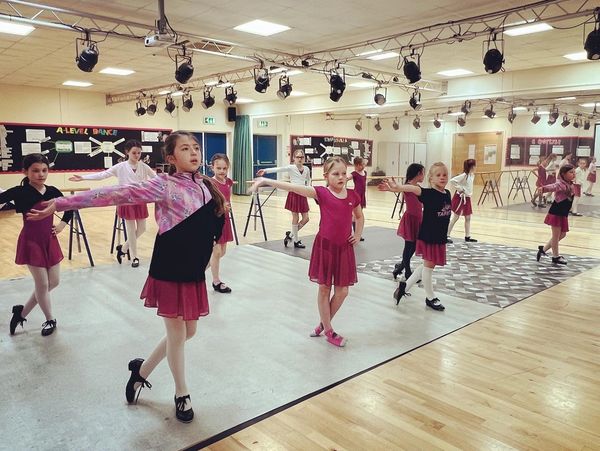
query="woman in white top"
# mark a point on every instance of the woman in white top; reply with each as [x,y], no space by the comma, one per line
[461,201]
[128,172]
[299,175]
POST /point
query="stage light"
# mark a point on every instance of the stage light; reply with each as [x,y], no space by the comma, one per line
[208,100]
[587,124]
[358,125]
[184,70]
[230,96]
[565,122]
[188,103]
[139,108]
[169,104]
[592,42]
[396,124]
[554,113]
[379,98]
[337,85]
[261,80]
[493,59]
[88,58]
[285,87]
[577,122]
[536,118]
[462,121]
[436,121]
[152,106]
[415,100]
[417,122]
[489,112]
[512,115]
[377,125]
[466,108]
[412,68]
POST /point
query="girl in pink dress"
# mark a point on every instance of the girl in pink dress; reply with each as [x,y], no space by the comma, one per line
[431,240]
[359,177]
[38,246]
[220,167]
[591,177]
[189,211]
[542,179]
[411,220]
[332,260]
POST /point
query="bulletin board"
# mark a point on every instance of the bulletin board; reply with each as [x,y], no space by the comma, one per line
[74,147]
[318,148]
[526,151]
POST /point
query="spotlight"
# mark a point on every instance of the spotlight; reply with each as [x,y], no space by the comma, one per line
[554,114]
[208,100]
[551,120]
[586,124]
[436,121]
[285,87]
[358,125]
[396,124]
[592,42]
[88,58]
[185,70]
[305,63]
[230,96]
[536,118]
[466,108]
[139,108]
[489,112]
[512,115]
[188,103]
[169,104]
[377,125]
[379,98]
[261,80]
[412,68]
[152,106]
[462,121]
[565,122]
[415,100]
[337,85]
[493,59]
[577,122]
[417,123]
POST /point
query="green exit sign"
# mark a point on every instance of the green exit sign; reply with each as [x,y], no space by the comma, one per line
[263,124]
[209,120]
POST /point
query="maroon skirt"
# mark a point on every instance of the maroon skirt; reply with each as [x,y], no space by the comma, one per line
[557,221]
[460,206]
[37,246]
[409,227]
[576,190]
[551,179]
[131,212]
[296,203]
[591,177]
[173,299]
[435,253]
[227,234]
[332,263]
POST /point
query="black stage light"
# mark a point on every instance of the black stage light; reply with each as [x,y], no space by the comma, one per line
[412,68]
[261,80]
[139,109]
[185,70]
[379,99]
[377,125]
[587,124]
[489,112]
[208,100]
[577,122]
[493,60]
[511,116]
[554,114]
[565,122]
[358,125]
[169,104]
[592,42]
[466,108]
[417,122]
[188,103]
[551,120]
[88,57]
[415,100]
[285,87]
[536,118]
[462,121]
[152,106]
[436,121]
[337,85]
[230,96]
[396,124]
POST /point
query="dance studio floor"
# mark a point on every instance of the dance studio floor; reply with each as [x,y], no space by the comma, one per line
[588,206]
[251,355]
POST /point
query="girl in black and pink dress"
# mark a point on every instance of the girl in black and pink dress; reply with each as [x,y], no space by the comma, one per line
[431,241]
[38,247]
[359,177]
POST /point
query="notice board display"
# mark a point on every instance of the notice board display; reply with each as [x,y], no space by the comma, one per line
[74,147]
[531,149]
[318,148]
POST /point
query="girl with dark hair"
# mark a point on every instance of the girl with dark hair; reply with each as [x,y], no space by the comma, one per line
[461,201]
[189,212]
[542,179]
[411,220]
[38,247]
[128,172]
[558,215]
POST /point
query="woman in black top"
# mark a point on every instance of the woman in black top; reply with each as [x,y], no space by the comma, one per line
[38,247]
[431,241]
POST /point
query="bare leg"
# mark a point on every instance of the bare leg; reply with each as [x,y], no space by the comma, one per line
[303,221]
[324,307]
[339,296]
[455,218]
[218,252]
[45,280]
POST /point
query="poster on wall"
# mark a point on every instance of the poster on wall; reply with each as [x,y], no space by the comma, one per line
[540,147]
[583,151]
[515,152]
[471,152]
[489,154]
[318,148]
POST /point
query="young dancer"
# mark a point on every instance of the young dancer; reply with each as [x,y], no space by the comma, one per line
[189,213]
[332,260]
[591,177]
[580,177]
[431,241]
[299,175]
[542,179]
[551,171]
[558,214]
[220,167]
[37,247]
[129,171]
[461,201]
[359,177]
[411,220]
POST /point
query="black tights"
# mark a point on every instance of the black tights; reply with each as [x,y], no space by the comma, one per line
[407,253]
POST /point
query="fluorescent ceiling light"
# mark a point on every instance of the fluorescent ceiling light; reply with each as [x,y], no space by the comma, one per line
[165,92]
[579,56]
[15,28]
[261,28]
[454,72]
[225,84]
[298,93]
[286,70]
[542,113]
[590,105]
[519,108]
[370,52]
[456,113]
[211,83]
[115,71]
[81,84]
[528,29]
[363,84]
[177,94]
[566,98]
[289,73]
[384,56]
[244,100]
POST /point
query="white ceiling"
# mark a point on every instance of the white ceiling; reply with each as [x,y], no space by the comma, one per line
[46,57]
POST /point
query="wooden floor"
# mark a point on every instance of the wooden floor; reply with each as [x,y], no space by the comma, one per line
[527,377]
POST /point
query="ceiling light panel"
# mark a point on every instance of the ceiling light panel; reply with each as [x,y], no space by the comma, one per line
[116,71]
[79,84]
[528,29]
[383,56]
[261,28]
[454,72]
[15,28]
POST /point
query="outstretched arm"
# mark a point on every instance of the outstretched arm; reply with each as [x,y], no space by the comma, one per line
[110,172]
[306,191]
[391,185]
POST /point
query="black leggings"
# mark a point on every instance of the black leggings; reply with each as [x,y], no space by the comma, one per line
[407,253]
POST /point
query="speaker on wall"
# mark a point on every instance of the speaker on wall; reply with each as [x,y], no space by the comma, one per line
[231,114]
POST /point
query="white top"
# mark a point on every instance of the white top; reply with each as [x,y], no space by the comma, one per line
[564,161]
[580,176]
[296,177]
[592,168]
[463,183]
[125,173]
[551,166]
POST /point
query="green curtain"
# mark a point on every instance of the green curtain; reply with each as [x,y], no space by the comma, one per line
[242,154]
